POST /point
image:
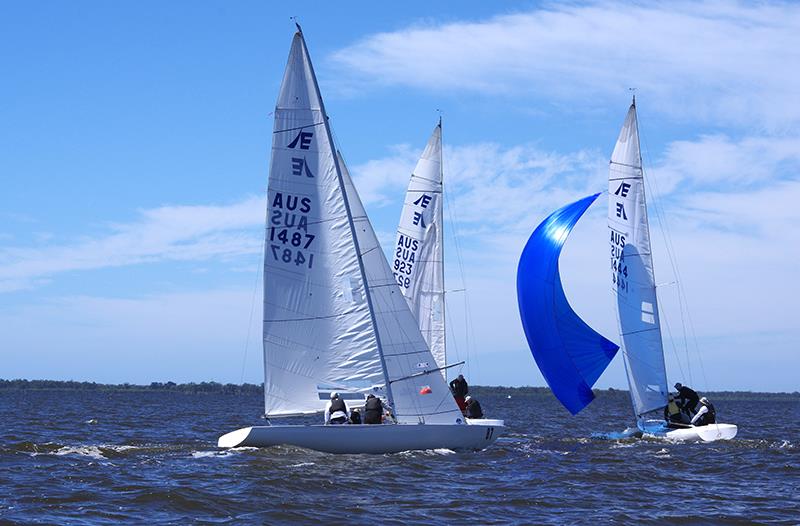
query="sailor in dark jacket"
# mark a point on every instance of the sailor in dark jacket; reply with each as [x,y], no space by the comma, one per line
[473,408]
[705,414]
[336,411]
[460,389]
[687,398]
[373,410]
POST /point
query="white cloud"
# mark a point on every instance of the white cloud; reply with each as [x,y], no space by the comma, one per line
[168,233]
[721,62]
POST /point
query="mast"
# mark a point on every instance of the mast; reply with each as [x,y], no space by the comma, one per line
[440,240]
[326,126]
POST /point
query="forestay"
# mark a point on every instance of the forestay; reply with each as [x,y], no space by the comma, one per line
[633,282]
[569,353]
[418,261]
[334,317]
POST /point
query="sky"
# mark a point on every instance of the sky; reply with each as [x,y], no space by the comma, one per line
[134,150]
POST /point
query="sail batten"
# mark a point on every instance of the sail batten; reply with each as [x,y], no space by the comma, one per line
[633,278]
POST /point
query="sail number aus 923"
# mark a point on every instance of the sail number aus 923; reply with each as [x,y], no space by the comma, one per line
[288,255]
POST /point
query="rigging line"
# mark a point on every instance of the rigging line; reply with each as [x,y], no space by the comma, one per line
[672,342]
[426,372]
[682,303]
[259,272]
[469,328]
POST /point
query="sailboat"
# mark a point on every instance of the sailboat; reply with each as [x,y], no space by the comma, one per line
[418,263]
[418,253]
[334,317]
[570,354]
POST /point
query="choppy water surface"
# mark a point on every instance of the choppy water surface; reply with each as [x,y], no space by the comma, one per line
[72,457]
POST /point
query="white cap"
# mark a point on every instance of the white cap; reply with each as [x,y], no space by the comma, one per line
[704,400]
[334,394]
[468,397]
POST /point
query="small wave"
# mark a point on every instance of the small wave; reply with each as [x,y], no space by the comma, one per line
[427,452]
[301,465]
[83,451]
[222,453]
[91,421]
[629,432]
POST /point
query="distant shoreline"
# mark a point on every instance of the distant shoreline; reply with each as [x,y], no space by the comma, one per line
[257,389]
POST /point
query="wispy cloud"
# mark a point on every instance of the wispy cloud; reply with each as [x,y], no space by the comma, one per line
[168,233]
[724,62]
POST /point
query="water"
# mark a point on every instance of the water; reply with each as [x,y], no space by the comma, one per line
[73,457]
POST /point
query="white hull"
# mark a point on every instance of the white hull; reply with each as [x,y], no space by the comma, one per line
[708,433]
[363,438]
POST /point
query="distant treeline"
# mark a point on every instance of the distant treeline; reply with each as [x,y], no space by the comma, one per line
[253,389]
[192,388]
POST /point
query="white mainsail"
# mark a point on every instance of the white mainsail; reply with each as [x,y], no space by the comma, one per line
[633,282]
[334,317]
[418,263]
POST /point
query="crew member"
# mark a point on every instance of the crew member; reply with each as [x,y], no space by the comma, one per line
[672,413]
[687,399]
[336,411]
[373,410]
[473,409]
[460,389]
[355,417]
[705,414]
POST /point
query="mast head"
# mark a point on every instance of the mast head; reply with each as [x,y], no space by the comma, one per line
[296,24]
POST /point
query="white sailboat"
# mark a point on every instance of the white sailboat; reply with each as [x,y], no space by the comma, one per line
[570,354]
[418,262]
[418,253]
[334,317]
[634,288]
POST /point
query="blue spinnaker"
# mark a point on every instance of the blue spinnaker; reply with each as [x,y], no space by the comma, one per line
[570,354]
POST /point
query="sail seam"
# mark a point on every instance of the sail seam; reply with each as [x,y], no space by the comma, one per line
[297,127]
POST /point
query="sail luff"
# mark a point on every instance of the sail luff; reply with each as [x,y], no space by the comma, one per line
[633,280]
[346,201]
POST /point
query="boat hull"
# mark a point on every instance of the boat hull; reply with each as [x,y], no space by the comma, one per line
[707,433]
[363,438]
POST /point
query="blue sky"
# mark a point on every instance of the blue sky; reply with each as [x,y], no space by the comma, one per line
[134,145]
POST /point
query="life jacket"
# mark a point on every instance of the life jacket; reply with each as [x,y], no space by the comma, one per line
[373,408]
[337,404]
[474,409]
[459,388]
[711,416]
[672,412]
[373,404]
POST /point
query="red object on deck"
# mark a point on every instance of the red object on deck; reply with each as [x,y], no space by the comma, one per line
[425,390]
[461,403]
